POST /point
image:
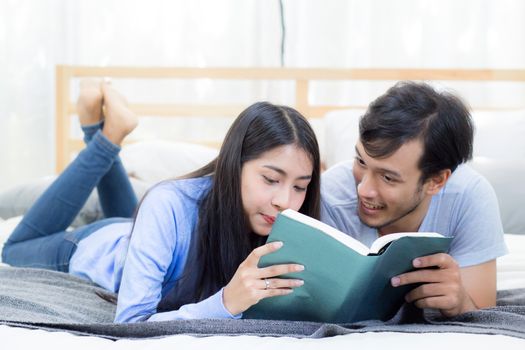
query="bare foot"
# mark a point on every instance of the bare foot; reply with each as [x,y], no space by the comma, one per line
[89,103]
[120,120]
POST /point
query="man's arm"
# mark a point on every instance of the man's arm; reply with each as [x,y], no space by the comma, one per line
[480,283]
[449,288]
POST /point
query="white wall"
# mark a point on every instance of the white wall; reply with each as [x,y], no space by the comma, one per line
[35,35]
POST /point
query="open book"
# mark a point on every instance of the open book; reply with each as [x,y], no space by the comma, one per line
[344,280]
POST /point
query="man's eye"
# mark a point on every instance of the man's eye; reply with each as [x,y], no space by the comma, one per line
[388,178]
[360,161]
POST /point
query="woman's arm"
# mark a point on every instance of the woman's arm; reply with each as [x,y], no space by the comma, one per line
[159,247]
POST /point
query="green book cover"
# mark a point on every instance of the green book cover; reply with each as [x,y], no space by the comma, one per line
[344,281]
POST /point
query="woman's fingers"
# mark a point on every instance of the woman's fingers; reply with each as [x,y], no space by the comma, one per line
[273,287]
[279,283]
[257,253]
[278,270]
[250,283]
[271,271]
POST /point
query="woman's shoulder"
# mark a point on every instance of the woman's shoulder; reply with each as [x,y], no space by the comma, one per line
[187,189]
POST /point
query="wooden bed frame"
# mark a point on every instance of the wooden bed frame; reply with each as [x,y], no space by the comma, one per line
[66,145]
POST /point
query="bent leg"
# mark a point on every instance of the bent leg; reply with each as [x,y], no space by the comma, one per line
[40,240]
[60,203]
[116,194]
[51,252]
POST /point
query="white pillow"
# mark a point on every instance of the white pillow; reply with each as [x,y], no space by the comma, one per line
[499,134]
[341,135]
[511,267]
[6,227]
[17,200]
[505,176]
[147,162]
[156,160]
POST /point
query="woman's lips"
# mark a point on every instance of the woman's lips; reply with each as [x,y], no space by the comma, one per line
[269,219]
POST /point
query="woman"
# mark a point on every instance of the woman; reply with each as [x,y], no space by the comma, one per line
[192,249]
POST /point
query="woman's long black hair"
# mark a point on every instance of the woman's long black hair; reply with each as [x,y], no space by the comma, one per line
[222,238]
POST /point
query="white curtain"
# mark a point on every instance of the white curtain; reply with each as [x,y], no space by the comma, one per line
[35,35]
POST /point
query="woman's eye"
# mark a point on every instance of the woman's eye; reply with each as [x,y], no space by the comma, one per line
[299,189]
[269,180]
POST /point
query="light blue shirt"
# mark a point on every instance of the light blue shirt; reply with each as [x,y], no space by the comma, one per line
[466,208]
[142,261]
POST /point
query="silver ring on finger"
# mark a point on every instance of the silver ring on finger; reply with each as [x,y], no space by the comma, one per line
[267,284]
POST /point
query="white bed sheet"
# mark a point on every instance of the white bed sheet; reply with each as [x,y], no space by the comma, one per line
[18,338]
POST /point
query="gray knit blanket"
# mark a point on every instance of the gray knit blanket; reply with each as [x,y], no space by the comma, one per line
[34,298]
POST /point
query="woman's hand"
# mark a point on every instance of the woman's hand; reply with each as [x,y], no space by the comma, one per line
[251,284]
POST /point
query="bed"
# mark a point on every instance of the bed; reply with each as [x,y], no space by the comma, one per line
[183,133]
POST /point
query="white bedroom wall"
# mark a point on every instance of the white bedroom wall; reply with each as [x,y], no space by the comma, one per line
[35,35]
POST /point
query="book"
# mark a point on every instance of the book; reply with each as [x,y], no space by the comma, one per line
[344,280]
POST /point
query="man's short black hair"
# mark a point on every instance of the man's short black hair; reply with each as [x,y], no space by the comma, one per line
[410,111]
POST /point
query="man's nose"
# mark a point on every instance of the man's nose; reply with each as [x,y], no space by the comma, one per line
[367,187]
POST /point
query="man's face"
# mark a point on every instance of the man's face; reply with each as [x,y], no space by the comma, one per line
[391,197]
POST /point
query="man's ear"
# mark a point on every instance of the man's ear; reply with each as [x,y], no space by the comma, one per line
[437,181]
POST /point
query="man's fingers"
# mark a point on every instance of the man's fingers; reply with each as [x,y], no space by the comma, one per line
[430,269]
[436,302]
[440,260]
[429,290]
[418,276]
[448,304]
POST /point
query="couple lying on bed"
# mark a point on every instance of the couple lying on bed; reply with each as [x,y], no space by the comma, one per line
[192,247]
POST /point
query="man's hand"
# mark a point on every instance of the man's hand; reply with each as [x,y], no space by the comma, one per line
[442,286]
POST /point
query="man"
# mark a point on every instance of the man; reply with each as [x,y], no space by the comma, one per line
[408,175]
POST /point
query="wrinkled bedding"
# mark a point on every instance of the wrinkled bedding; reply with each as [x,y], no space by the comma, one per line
[34,298]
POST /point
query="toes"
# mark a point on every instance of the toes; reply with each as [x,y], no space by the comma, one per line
[89,103]
[120,119]
[112,96]
[86,84]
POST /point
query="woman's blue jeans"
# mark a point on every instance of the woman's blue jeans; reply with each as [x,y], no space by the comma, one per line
[41,239]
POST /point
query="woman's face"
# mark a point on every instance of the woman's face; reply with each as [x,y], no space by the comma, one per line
[275,181]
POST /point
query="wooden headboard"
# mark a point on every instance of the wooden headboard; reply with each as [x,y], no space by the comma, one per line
[301,79]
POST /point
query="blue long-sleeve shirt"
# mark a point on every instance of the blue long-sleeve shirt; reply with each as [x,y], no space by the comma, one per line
[143,261]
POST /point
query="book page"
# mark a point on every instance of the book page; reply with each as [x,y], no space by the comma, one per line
[384,240]
[329,230]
